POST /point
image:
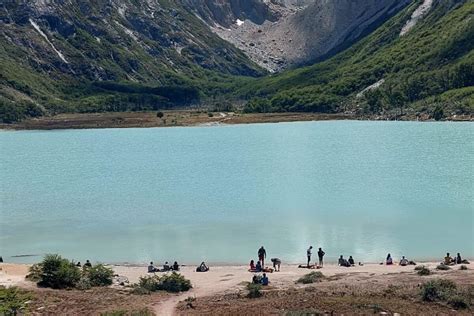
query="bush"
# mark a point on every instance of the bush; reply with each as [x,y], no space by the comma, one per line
[160,114]
[13,301]
[170,283]
[99,275]
[58,273]
[443,267]
[312,277]
[84,284]
[149,283]
[35,271]
[458,302]
[210,114]
[463,267]
[174,283]
[437,290]
[255,290]
[422,270]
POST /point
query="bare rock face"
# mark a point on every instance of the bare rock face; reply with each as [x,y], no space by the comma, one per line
[278,34]
[226,12]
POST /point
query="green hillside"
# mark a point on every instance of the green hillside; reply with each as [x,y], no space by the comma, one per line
[109,55]
[430,67]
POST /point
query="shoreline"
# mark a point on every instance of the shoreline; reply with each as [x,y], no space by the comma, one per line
[187,118]
[227,285]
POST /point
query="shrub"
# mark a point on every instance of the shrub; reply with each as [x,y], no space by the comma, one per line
[437,290]
[170,283]
[84,284]
[210,114]
[463,267]
[312,277]
[58,273]
[35,271]
[255,290]
[423,271]
[160,114]
[443,267]
[174,283]
[99,275]
[13,301]
[149,283]
[458,302]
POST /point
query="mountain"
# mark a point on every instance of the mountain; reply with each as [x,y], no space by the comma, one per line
[419,62]
[282,34]
[59,56]
[371,57]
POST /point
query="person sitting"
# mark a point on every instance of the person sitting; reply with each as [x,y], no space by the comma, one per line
[252,266]
[202,268]
[276,263]
[166,267]
[87,264]
[351,261]
[78,264]
[404,261]
[151,268]
[256,279]
[265,280]
[258,267]
[448,260]
[343,262]
[175,266]
[389,260]
[458,258]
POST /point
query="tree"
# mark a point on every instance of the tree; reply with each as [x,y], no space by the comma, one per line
[160,115]
[438,113]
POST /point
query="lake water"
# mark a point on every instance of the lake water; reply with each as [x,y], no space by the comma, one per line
[219,193]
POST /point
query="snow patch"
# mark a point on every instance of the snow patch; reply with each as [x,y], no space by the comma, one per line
[97,39]
[38,29]
[419,13]
[239,22]
[370,88]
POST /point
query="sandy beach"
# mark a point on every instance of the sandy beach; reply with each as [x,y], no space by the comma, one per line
[228,280]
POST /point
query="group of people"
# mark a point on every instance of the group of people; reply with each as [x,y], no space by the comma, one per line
[403,261]
[175,267]
[452,261]
[260,265]
[86,265]
[347,262]
[321,254]
[166,267]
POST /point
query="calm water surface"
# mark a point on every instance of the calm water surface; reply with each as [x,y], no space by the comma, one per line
[218,193]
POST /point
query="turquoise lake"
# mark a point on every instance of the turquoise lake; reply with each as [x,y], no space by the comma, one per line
[219,193]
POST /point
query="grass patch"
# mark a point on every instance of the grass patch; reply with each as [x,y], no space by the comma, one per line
[312,277]
[446,291]
[143,312]
[14,301]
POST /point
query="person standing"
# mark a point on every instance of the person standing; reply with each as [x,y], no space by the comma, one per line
[262,254]
[321,254]
[308,254]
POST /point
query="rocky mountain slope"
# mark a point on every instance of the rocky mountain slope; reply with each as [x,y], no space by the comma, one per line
[281,34]
[420,62]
